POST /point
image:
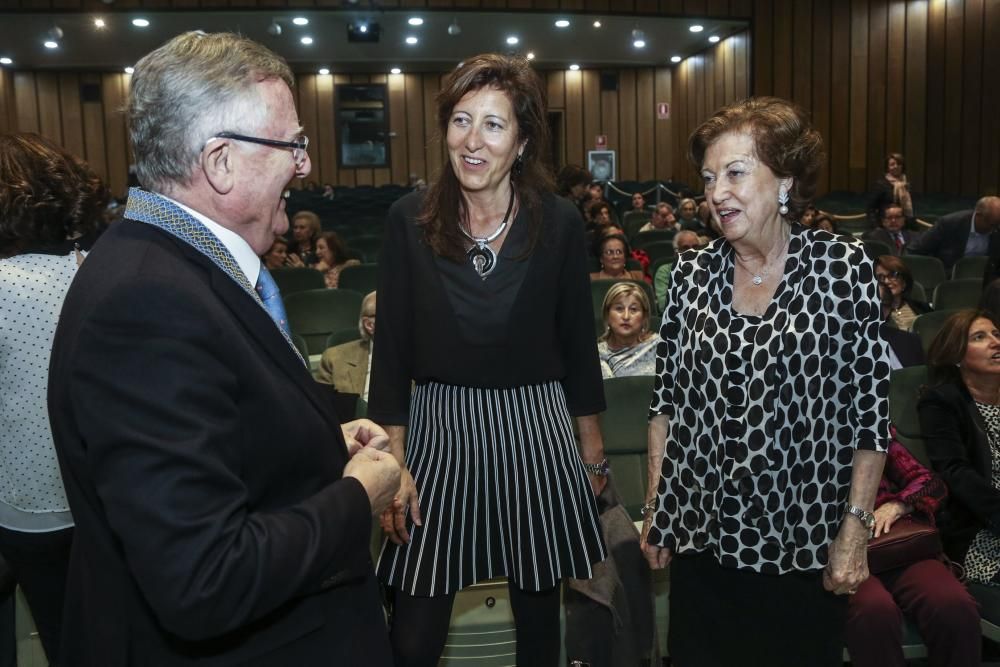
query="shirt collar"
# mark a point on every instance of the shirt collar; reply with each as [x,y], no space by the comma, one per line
[972,230]
[237,246]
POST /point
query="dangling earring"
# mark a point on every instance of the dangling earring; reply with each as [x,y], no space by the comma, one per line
[783,201]
[518,165]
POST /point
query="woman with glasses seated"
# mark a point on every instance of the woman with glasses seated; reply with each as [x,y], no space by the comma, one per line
[613,253]
[895,283]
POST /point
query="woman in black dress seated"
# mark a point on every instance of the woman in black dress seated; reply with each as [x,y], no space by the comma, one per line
[960,420]
[487,310]
[895,285]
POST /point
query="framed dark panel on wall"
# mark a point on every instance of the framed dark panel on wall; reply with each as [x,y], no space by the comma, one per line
[362,118]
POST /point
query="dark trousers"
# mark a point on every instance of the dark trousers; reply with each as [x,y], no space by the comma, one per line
[926,592]
[721,617]
[40,562]
[420,627]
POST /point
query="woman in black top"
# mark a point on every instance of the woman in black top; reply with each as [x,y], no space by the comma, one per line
[487,310]
[769,420]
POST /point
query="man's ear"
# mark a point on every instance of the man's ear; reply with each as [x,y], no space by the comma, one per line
[218,164]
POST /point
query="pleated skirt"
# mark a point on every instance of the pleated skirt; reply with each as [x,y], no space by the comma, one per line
[502,488]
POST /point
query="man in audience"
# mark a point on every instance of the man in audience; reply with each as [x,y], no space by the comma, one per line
[573,182]
[684,240]
[663,219]
[891,231]
[223,515]
[277,256]
[348,366]
[961,234]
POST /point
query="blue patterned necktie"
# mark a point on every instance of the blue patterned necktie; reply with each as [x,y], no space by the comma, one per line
[271,296]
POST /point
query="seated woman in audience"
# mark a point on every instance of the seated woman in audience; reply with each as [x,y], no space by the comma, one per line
[960,421]
[277,256]
[824,222]
[891,188]
[305,232]
[332,258]
[895,281]
[613,253]
[925,591]
[638,202]
[808,216]
[627,346]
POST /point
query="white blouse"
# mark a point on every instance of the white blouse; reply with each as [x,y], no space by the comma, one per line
[32,289]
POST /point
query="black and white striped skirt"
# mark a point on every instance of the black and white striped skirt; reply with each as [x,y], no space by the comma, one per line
[502,492]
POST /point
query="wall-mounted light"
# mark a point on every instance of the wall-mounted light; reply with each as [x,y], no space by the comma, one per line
[324,70]
[574,67]
[129,70]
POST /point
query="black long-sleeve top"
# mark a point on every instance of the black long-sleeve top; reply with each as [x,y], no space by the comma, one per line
[531,320]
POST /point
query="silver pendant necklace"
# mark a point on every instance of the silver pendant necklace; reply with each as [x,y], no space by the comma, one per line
[484,259]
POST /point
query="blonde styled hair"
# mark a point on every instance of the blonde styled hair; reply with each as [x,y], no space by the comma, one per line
[619,291]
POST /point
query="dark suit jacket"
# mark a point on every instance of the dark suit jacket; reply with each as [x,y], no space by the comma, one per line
[946,239]
[905,345]
[880,234]
[959,450]
[204,469]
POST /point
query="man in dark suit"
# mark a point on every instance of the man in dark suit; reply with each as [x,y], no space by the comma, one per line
[223,514]
[961,234]
[891,232]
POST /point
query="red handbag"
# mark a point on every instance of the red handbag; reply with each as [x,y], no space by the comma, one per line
[909,540]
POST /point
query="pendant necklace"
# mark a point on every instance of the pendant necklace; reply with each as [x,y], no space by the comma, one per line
[484,259]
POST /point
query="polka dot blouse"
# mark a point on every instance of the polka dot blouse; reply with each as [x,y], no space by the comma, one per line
[32,289]
[765,412]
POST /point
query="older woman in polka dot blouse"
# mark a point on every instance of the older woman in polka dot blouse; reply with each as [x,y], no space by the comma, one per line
[769,421]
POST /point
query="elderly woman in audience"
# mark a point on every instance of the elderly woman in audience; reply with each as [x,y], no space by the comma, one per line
[763,507]
[50,203]
[332,257]
[277,256]
[924,590]
[627,346]
[305,232]
[891,188]
[960,421]
[687,209]
[613,253]
[895,284]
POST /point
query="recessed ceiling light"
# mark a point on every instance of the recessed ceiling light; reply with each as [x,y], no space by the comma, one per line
[639,43]
[411,40]
[300,20]
[324,70]
[395,70]
[562,23]
[140,23]
[597,24]
[362,27]
[51,45]
[530,55]
[676,59]
[415,20]
[714,39]
[99,23]
[696,28]
[6,61]
[512,40]
[307,40]
[574,67]
[129,70]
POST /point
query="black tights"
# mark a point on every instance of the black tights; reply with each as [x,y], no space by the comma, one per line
[420,627]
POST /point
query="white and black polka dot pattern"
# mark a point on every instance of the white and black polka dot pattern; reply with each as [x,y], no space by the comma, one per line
[32,289]
[765,412]
[982,560]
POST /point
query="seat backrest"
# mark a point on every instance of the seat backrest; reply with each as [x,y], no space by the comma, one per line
[905,385]
[954,294]
[633,221]
[643,239]
[315,314]
[926,270]
[341,336]
[368,246]
[874,249]
[624,428]
[297,279]
[361,278]
[970,267]
[659,250]
[927,325]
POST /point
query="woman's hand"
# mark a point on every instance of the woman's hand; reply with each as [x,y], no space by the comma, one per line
[887,514]
[393,519]
[848,565]
[657,557]
[294,260]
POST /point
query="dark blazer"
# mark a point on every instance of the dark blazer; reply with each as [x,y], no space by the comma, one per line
[204,469]
[959,450]
[881,234]
[946,239]
[905,345]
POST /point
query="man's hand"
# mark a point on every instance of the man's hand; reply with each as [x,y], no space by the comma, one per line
[378,472]
[364,433]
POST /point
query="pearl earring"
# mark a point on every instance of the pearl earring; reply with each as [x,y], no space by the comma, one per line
[783,201]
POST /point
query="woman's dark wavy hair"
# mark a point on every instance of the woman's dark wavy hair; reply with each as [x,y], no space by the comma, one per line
[337,247]
[949,345]
[783,137]
[441,212]
[46,194]
[896,265]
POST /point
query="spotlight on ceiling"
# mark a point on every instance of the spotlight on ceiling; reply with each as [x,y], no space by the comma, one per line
[324,70]
[140,23]
[99,23]
[300,20]
[676,59]
[6,61]
[638,39]
[395,70]
[412,40]
[696,28]
[415,20]
[49,44]
[530,55]
[364,31]
[714,39]
[574,67]
[454,28]
[512,40]
[597,24]
[307,40]
[129,70]
[562,23]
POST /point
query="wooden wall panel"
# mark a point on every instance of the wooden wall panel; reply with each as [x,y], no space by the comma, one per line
[627,119]
[94,146]
[26,101]
[972,79]
[877,63]
[822,81]
[989,155]
[324,155]
[858,132]
[645,122]
[49,110]
[8,109]
[114,92]
[573,118]
[915,126]
[935,92]
[951,146]
[71,119]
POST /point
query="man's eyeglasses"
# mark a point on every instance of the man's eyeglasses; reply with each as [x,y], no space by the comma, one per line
[298,146]
[886,277]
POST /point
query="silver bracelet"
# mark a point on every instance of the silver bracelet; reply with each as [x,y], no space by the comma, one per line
[648,508]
